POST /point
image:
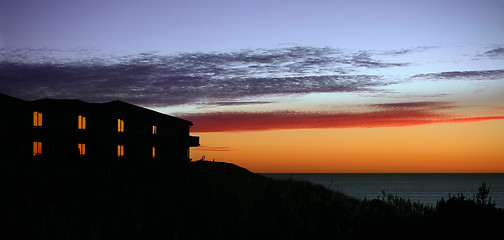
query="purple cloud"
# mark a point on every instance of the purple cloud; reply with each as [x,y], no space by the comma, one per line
[495,53]
[464,75]
[163,80]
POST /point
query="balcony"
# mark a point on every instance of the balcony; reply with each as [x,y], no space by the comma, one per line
[193,141]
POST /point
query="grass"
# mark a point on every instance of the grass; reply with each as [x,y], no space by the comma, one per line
[207,200]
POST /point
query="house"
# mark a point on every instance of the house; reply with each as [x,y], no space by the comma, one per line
[74,129]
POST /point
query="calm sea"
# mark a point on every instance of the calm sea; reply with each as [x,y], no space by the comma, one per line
[424,187]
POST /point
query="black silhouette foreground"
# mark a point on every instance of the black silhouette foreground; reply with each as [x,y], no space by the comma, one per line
[214,200]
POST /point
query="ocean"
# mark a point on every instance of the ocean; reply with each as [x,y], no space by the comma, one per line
[426,188]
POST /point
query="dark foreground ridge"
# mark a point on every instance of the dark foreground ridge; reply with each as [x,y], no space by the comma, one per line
[214,200]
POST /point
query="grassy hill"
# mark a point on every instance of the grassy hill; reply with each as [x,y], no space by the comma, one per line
[214,200]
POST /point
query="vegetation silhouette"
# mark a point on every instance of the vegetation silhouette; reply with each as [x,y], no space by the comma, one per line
[105,199]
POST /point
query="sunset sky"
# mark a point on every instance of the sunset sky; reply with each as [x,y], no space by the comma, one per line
[281,86]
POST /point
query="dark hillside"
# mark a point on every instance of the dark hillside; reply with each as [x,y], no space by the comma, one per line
[206,200]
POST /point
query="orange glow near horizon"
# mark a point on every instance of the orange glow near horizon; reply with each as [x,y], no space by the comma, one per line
[438,148]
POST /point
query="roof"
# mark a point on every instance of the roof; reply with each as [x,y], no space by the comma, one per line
[118,106]
[134,109]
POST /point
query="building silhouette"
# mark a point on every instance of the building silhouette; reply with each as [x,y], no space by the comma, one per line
[74,129]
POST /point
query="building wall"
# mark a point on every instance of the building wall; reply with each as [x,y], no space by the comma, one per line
[60,136]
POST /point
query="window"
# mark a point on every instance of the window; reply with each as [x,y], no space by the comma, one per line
[81,122]
[37,148]
[153,152]
[120,150]
[154,129]
[120,125]
[37,119]
[82,149]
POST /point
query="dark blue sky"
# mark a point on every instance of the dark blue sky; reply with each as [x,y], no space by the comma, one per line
[186,26]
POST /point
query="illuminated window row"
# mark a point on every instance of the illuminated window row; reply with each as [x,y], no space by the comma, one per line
[37,120]
[37,149]
[120,126]
[120,151]
[81,122]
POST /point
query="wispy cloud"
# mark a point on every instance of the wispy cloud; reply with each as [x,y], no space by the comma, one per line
[385,115]
[495,53]
[213,148]
[239,103]
[464,75]
[163,80]
[409,50]
[364,59]
[414,105]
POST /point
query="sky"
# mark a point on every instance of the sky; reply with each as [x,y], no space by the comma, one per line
[281,86]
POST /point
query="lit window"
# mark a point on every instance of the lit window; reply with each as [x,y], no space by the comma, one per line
[37,148]
[81,122]
[82,149]
[154,129]
[37,119]
[153,152]
[120,150]
[120,125]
